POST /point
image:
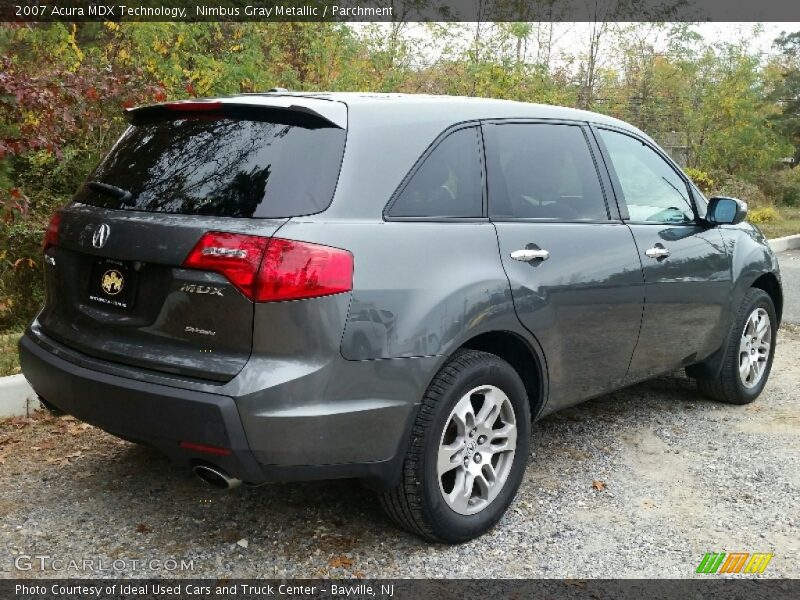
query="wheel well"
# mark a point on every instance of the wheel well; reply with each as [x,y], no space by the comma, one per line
[516,352]
[769,283]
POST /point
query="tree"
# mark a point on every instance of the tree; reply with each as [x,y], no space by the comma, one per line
[787,93]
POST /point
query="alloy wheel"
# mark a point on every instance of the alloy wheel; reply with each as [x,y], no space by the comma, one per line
[476,449]
[754,348]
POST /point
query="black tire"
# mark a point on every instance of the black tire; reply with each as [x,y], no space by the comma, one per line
[727,386]
[416,503]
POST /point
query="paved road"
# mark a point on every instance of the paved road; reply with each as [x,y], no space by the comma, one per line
[790,270]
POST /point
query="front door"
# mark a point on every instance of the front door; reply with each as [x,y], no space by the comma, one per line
[685,265]
[572,264]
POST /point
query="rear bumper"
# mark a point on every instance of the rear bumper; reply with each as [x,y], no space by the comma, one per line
[271,436]
[156,415]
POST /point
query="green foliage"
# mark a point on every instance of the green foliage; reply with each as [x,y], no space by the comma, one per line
[765,214]
[787,89]
[736,187]
[21,231]
[9,362]
[783,186]
[701,179]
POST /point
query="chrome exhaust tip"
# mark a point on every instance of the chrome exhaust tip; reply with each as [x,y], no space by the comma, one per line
[216,477]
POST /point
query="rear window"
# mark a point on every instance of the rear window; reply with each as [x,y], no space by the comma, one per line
[220,165]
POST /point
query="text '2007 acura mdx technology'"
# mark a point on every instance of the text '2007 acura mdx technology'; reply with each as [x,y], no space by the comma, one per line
[390,288]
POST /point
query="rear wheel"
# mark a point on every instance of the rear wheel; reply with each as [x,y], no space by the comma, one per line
[749,352]
[468,451]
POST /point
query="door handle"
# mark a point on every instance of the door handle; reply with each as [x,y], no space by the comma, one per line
[657,251]
[529,254]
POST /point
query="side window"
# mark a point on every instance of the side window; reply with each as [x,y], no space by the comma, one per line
[448,184]
[652,189]
[542,171]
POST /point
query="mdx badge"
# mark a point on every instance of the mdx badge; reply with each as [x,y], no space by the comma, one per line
[100,236]
[201,289]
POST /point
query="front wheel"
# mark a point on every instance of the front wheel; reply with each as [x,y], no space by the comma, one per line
[748,354]
[468,451]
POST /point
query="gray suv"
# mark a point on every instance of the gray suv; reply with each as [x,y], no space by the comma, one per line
[289,286]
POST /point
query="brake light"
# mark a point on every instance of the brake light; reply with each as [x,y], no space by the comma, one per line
[193,105]
[51,235]
[234,255]
[273,270]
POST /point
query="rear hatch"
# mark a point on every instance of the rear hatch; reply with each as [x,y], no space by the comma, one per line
[153,263]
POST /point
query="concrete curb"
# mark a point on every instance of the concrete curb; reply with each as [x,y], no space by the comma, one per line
[790,242]
[17,398]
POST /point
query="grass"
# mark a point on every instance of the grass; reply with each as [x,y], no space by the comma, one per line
[9,361]
[787,223]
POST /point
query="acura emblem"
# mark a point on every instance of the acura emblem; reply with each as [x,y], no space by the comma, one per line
[100,236]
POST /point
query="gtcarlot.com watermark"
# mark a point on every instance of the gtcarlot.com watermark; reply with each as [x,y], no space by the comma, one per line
[43,562]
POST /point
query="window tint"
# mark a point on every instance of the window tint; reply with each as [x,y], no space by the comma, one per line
[541,171]
[652,190]
[448,183]
[220,166]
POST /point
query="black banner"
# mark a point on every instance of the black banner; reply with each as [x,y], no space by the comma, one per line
[29,11]
[704,588]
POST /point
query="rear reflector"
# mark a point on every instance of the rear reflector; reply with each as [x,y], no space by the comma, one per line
[51,235]
[205,449]
[274,269]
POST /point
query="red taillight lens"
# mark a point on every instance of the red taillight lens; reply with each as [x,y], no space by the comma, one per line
[272,270]
[234,255]
[295,270]
[51,235]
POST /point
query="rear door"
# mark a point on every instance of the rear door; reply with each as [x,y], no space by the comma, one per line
[119,286]
[572,264]
[686,268]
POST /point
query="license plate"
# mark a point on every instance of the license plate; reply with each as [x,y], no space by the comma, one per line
[113,283]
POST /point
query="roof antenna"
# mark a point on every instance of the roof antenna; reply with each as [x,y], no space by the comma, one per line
[276,90]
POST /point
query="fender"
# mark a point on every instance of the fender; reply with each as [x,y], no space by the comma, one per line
[750,258]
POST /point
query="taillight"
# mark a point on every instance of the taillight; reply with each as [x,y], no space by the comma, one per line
[235,256]
[51,235]
[272,270]
[294,270]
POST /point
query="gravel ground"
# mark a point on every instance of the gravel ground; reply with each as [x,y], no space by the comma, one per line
[640,483]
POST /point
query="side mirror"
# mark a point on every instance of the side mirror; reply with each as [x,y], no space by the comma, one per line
[726,211]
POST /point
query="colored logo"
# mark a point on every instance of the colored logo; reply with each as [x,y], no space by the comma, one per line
[112,282]
[734,562]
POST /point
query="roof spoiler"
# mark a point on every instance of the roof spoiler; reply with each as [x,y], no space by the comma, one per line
[334,113]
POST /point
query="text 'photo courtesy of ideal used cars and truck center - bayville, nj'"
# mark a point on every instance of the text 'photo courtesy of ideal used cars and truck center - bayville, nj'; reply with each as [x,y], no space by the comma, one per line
[410,299]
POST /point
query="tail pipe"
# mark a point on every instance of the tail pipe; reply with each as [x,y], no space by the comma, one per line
[216,477]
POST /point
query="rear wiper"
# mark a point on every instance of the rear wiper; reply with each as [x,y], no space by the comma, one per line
[111,190]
